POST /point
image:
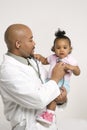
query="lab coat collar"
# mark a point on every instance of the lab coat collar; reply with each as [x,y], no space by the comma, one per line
[24,61]
[18,58]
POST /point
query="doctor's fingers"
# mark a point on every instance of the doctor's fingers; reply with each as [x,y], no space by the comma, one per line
[62,98]
[59,68]
[61,64]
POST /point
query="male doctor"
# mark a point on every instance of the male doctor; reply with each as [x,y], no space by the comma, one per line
[22,81]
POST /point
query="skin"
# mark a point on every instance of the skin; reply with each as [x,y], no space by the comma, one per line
[19,40]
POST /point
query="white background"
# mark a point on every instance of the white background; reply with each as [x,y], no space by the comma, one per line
[44,17]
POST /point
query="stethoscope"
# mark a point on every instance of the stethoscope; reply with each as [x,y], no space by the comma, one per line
[28,61]
[38,69]
[63,79]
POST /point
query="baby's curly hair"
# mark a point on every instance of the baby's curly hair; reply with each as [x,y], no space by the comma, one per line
[60,35]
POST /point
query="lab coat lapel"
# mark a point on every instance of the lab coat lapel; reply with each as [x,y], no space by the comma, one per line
[33,64]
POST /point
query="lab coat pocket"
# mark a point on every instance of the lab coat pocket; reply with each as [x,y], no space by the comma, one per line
[20,126]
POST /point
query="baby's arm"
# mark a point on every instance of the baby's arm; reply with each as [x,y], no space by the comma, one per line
[41,58]
[74,69]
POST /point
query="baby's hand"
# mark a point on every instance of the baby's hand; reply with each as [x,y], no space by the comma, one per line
[75,69]
[68,67]
[37,56]
[41,58]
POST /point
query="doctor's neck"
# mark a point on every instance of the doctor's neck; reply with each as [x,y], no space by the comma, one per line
[24,54]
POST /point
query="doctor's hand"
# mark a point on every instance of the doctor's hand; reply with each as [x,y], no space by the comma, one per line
[62,98]
[58,72]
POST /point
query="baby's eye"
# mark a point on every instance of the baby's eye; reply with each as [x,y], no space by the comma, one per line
[31,40]
[65,47]
[58,47]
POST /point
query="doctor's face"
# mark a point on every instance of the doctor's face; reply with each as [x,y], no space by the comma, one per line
[27,45]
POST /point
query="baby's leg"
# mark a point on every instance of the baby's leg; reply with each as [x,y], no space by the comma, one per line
[48,115]
[52,106]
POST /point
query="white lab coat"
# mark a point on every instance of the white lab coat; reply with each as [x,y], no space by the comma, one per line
[24,95]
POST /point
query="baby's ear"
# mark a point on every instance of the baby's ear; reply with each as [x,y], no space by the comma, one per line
[70,50]
[53,49]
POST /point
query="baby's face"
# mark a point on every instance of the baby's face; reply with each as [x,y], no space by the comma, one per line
[62,48]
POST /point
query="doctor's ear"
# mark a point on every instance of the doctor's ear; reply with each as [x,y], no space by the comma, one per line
[18,44]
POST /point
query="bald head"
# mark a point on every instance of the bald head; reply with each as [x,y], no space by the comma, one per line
[19,40]
[14,33]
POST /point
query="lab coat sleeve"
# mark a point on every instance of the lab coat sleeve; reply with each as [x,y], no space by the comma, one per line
[25,92]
